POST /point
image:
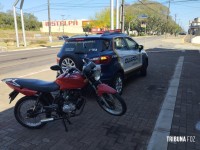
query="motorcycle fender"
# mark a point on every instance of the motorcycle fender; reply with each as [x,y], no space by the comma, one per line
[24,91]
[103,88]
[13,95]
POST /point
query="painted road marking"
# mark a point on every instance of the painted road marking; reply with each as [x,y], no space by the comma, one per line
[26,75]
[23,53]
[34,73]
[158,140]
[163,51]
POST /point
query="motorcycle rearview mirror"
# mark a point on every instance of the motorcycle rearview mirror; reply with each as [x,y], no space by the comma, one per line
[55,68]
[140,47]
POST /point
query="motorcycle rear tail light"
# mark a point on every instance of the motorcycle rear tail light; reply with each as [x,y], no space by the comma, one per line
[58,60]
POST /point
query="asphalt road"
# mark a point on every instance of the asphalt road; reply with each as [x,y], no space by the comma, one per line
[11,62]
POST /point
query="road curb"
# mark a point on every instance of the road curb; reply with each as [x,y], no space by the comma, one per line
[27,49]
[56,46]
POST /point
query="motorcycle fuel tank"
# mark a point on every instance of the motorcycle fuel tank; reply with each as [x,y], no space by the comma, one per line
[71,81]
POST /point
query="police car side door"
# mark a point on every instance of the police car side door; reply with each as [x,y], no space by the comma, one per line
[126,56]
[136,60]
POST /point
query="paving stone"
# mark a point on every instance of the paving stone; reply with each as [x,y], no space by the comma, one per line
[97,130]
[186,108]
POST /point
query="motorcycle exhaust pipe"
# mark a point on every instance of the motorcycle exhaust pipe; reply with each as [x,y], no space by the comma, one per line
[47,120]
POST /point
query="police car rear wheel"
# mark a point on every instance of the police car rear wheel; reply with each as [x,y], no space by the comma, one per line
[71,61]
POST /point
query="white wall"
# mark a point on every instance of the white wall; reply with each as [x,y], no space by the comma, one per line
[70,26]
[196,40]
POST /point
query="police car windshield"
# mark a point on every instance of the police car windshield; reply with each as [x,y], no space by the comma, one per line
[85,45]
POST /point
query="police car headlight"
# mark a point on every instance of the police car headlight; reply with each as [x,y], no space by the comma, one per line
[97,73]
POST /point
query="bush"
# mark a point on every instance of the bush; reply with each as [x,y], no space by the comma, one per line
[38,42]
[133,35]
[9,40]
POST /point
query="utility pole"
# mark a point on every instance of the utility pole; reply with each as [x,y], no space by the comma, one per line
[122,16]
[15,22]
[112,14]
[63,23]
[49,20]
[175,23]
[22,22]
[175,18]
[168,11]
[117,14]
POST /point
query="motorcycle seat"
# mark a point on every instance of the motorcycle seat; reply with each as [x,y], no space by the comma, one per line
[37,85]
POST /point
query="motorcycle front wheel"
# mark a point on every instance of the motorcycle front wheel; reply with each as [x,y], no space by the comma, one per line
[28,112]
[112,104]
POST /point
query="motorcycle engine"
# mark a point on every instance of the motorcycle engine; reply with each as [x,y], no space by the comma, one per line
[68,108]
[70,100]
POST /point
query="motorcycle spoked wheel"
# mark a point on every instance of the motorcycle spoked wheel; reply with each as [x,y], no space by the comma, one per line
[26,115]
[112,104]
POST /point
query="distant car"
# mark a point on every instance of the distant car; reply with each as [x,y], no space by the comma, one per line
[116,53]
[182,33]
[63,37]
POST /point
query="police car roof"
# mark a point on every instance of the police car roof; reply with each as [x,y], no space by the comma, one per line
[104,35]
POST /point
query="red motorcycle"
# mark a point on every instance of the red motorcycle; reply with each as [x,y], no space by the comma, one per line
[61,99]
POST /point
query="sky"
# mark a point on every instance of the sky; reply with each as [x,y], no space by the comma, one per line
[185,10]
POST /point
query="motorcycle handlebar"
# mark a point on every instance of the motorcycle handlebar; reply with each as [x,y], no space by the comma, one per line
[89,66]
[71,70]
[86,60]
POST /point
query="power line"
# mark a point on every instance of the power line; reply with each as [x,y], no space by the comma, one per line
[36,11]
[86,3]
[96,4]
[36,7]
[54,7]
[188,6]
[149,7]
[185,1]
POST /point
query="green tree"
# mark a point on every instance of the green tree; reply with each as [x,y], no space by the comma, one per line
[156,22]
[7,21]
[102,19]
[31,22]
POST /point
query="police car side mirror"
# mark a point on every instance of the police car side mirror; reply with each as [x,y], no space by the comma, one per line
[140,47]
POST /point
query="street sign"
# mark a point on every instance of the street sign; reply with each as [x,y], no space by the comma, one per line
[143,25]
[142,16]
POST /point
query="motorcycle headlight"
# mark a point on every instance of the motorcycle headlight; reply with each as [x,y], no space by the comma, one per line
[97,72]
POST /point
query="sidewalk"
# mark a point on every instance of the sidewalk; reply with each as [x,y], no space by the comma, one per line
[31,47]
[187,108]
[179,43]
[95,129]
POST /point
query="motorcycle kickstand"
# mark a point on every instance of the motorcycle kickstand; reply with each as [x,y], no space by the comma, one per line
[68,121]
[66,129]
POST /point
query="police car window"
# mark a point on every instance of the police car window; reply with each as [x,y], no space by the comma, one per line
[105,45]
[131,43]
[84,46]
[120,44]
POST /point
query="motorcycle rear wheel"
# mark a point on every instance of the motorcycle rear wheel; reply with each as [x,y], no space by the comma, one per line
[112,104]
[25,112]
